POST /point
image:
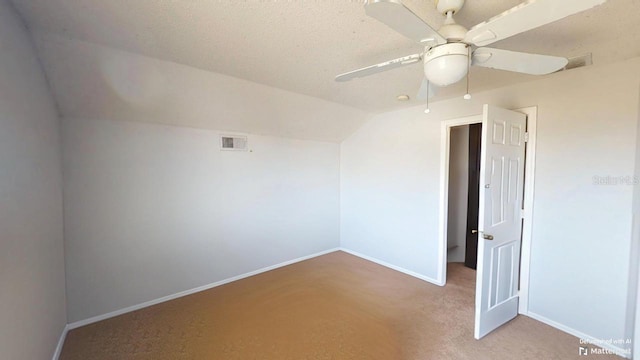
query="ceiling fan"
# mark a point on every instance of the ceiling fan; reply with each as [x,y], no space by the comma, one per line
[450,51]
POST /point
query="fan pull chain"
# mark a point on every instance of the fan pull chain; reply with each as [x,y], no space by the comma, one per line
[427,110]
[467,96]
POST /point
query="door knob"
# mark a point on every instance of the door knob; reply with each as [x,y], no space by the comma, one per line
[487,237]
[474,231]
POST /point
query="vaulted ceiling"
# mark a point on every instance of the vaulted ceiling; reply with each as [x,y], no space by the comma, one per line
[300,46]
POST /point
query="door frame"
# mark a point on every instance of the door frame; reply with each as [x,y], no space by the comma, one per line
[529,170]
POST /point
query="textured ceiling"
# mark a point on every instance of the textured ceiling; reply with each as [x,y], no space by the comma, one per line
[301,45]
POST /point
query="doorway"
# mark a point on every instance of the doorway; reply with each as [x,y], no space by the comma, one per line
[447,127]
[463,202]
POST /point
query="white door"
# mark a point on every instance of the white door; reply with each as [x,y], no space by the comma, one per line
[500,220]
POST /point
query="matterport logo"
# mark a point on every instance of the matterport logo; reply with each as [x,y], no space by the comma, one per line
[622,347]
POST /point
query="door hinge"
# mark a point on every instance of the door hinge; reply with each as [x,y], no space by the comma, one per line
[526,137]
[522,213]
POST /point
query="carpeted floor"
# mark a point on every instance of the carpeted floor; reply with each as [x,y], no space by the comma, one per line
[335,306]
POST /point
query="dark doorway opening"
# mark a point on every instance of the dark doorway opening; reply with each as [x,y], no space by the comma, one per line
[473,200]
[465,143]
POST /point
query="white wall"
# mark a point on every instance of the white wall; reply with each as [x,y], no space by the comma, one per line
[32,300]
[633,306]
[458,193]
[587,122]
[636,336]
[389,197]
[190,214]
[152,210]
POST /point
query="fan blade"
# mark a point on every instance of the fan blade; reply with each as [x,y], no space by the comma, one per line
[401,19]
[524,17]
[517,61]
[374,69]
[426,88]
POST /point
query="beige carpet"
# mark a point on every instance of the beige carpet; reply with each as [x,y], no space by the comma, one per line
[332,307]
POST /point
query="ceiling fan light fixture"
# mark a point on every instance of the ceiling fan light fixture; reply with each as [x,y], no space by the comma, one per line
[446,64]
[447,57]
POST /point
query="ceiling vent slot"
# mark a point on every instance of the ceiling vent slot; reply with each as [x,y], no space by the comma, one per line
[233,142]
[579,61]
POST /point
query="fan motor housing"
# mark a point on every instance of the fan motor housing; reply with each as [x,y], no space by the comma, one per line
[453,32]
[446,6]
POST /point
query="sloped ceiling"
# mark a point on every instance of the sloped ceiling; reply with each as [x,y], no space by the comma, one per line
[96,82]
[300,46]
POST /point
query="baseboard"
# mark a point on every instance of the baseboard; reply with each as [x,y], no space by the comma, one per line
[63,336]
[394,267]
[143,305]
[618,350]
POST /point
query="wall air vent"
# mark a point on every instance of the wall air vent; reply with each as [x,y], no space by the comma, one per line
[579,61]
[233,142]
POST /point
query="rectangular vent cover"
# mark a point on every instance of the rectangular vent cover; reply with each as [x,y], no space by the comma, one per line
[578,62]
[233,142]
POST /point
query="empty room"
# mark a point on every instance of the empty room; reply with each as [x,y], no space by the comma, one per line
[371,179]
